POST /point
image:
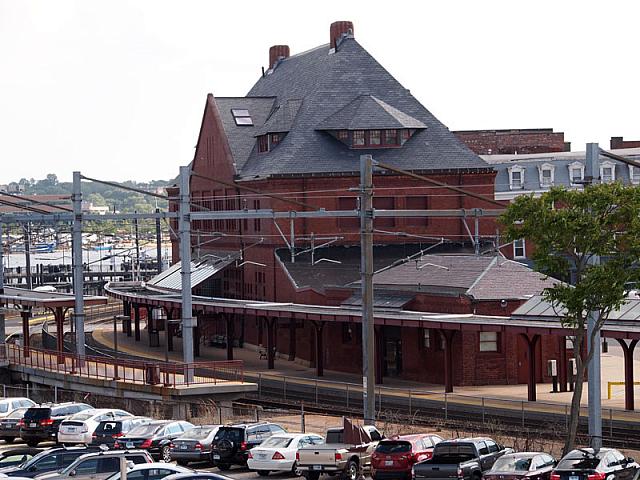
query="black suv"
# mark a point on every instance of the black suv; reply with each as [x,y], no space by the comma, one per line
[50,460]
[232,443]
[41,423]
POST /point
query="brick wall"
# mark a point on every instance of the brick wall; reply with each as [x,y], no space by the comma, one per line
[487,142]
[619,142]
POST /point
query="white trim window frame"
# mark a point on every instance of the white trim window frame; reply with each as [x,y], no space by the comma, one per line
[634,175]
[519,248]
[546,181]
[574,167]
[607,177]
[516,177]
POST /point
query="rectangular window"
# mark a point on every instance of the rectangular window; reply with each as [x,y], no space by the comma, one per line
[256,221]
[546,177]
[488,341]
[426,338]
[275,139]
[635,174]
[576,175]
[374,137]
[406,134]
[241,117]
[263,143]
[416,203]
[342,135]
[516,179]
[383,203]
[391,137]
[607,174]
[519,248]
[358,138]
[348,223]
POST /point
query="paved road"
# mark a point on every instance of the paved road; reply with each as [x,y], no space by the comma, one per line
[235,472]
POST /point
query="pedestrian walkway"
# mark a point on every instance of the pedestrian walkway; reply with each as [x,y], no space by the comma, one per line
[612,368]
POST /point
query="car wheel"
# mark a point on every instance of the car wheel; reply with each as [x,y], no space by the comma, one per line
[223,466]
[32,443]
[352,471]
[166,454]
[295,470]
[263,473]
[9,439]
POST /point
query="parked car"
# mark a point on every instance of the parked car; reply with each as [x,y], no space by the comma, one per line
[278,452]
[108,431]
[584,464]
[524,465]
[79,428]
[347,452]
[232,443]
[155,437]
[17,456]
[152,471]
[9,404]
[50,460]
[393,458]
[98,465]
[194,445]
[10,425]
[463,458]
[41,423]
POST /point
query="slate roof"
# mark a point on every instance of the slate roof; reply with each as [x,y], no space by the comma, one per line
[281,118]
[324,83]
[480,277]
[367,112]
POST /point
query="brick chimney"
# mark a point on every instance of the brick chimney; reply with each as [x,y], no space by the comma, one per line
[337,30]
[278,52]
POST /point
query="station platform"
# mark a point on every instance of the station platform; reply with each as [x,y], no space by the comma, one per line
[295,371]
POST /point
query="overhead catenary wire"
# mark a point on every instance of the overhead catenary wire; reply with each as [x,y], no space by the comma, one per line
[37,202]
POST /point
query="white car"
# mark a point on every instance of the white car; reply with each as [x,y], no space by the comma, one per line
[278,452]
[79,428]
[9,404]
[151,471]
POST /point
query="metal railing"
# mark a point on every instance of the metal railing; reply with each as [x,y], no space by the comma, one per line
[172,374]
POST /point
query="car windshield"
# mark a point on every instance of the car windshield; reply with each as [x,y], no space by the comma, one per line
[18,413]
[578,463]
[80,417]
[4,407]
[277,442]
[393,446]
[233,434]
[144,430]
[198,433]
[512,464]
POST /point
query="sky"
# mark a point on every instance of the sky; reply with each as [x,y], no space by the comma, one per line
[117,89]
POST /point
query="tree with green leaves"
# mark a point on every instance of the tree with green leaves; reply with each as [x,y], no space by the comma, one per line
[590,239]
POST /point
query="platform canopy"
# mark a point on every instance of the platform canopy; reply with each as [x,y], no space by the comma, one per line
[35,298]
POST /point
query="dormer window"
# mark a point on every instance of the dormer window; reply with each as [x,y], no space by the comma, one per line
[391,137]
[343,135]
[546,172]
[634,175]
[358,138]
[374,138]
[275,139]
[516,177]
[269,141]
[263,143]
[607,172]
[576,173]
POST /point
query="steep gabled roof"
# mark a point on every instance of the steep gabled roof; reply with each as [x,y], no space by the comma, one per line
[326,82]
[367,112]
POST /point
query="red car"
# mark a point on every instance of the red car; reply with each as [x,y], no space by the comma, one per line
[393,458]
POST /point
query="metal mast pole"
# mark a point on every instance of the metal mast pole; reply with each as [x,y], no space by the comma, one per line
[78,273]
[158,243]
[2,324]
[137,265]
[366,271]
[27,254]
[594,367]
[185,259]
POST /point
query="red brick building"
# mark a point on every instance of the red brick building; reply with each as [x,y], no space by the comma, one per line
[529,140]
[620,142]
[299,134]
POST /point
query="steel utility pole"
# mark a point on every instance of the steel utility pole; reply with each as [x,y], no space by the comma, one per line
[2,324]
[78,273]
[137,264]
[184,227]
[27,254]
[594,367]
[366,271]
[158,243]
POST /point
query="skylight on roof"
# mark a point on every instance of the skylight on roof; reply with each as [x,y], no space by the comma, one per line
[241,116]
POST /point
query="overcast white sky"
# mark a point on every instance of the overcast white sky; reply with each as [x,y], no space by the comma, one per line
[116,89]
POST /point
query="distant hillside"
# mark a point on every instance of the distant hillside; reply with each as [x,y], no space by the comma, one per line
[102,195]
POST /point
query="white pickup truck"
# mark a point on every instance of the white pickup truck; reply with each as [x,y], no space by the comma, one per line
[346,454]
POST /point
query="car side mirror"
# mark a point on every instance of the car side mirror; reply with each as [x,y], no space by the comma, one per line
[629,460]
[72,473]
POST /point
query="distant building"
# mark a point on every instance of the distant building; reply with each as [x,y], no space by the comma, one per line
[89,207]
[618,143]
[529,140]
